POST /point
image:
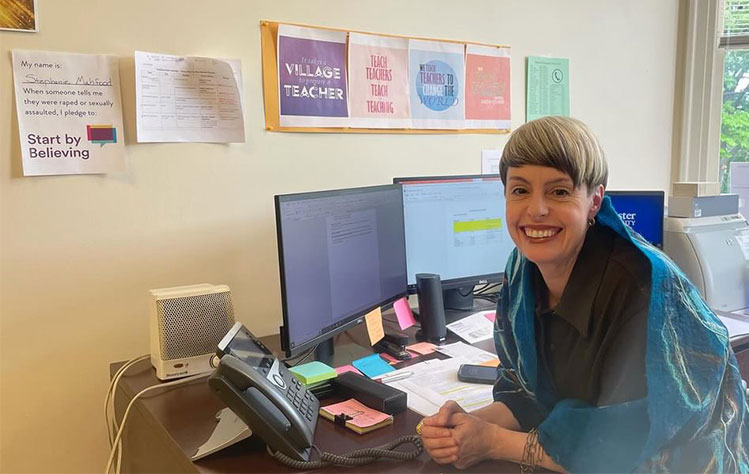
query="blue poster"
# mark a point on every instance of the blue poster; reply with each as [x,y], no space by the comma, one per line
[437,84]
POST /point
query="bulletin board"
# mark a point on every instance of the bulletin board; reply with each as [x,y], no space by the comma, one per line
[485,93]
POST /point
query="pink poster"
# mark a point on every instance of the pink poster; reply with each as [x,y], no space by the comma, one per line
[378,81]
[487,87]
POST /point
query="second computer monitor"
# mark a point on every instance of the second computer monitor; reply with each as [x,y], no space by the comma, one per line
[341,255]
[455,227]
[642,211]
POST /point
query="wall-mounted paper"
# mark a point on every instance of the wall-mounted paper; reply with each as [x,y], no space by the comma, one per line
[188,99]
[437,72]
[69,113]
[487,87]
[548,88]
[312,77]
[490,161]
[378,82]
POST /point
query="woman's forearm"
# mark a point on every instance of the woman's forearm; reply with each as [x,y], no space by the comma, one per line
[498,414]
[511,446]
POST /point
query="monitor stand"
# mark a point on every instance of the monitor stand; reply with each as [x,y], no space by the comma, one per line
[334,355]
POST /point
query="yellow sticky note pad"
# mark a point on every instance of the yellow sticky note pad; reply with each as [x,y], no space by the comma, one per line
[374,326]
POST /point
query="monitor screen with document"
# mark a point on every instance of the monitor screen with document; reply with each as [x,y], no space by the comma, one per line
[341,255]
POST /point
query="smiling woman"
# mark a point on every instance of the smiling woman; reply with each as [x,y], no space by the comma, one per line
[610,360]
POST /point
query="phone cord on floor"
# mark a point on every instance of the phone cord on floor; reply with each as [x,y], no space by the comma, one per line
[358,457]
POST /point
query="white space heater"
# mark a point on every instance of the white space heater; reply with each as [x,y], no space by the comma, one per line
[187,322]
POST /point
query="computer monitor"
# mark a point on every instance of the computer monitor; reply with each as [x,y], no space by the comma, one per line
[341,254]
[642,211]
[455,227]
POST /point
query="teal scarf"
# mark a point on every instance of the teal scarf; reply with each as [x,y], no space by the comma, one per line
[695,415]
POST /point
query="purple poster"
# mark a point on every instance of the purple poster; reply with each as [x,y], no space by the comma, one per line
[312,77]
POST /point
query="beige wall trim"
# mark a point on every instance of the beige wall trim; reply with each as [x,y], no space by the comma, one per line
[698,130]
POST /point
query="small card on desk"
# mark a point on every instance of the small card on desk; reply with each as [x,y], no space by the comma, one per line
[355,416]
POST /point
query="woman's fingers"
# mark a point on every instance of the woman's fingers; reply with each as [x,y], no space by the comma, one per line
[447,442]
[434,432]
[445,455]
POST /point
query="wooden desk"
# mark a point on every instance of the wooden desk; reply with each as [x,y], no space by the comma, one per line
[165,428]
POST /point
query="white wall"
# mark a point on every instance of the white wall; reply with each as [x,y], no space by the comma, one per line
[78,253]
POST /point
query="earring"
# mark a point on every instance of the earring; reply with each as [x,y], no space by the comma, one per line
[591,222]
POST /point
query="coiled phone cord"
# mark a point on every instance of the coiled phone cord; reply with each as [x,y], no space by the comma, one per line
[358,457]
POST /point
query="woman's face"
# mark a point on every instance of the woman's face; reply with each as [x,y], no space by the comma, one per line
[546,216]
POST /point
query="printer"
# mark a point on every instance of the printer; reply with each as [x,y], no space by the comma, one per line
[713,252]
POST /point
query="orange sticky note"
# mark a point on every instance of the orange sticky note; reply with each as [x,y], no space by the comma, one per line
[403,313]
[374,326]
[422,348]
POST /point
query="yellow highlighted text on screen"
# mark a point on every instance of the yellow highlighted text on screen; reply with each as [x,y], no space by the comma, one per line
[472,226]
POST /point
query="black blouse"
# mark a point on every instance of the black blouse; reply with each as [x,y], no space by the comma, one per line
[591,346]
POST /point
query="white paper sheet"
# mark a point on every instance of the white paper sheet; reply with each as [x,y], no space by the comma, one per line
[69,113]
[490,161]
[474,328]
[434,382]
[736,323]
[470,354]
[188,99]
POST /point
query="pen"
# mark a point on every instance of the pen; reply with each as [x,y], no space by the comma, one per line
[393,378]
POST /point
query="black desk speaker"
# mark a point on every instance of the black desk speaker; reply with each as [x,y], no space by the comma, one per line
[431,308]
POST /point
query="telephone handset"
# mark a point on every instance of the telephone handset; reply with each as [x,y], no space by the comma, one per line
[264,394]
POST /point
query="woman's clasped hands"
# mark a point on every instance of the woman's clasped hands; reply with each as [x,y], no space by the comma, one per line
[452,436]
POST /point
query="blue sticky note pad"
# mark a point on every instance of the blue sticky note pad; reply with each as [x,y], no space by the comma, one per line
[372,366]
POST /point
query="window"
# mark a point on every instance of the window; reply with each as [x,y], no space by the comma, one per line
[734,130]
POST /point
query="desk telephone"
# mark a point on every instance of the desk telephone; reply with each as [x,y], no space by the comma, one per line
[264,394]
[278,408]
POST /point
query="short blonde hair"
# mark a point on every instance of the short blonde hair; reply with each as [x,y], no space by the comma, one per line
[562,143]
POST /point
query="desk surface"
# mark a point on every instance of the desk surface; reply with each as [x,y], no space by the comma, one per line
[166,427]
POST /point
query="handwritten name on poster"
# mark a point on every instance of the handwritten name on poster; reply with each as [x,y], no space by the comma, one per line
[437,73]
[378,81]
[487,87]
[312,77]
[69,112]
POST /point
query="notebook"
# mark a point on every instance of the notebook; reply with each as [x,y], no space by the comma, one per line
[356,416]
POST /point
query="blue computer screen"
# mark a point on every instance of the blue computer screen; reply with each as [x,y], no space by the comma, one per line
[642,211]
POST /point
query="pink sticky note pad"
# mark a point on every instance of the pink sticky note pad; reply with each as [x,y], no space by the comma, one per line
[422,348]
[403,313]
[347,368]
[491,316]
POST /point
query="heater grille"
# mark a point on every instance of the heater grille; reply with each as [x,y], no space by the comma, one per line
[193,325]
